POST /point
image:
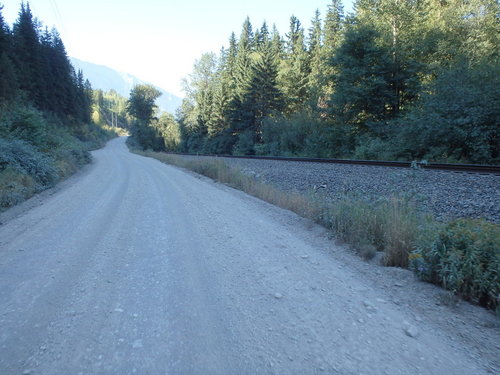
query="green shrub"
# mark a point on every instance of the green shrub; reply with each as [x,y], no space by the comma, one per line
[21,156]
[24,122]
[388,225]
[37,149]
[400,226]
[464,258]
[15,187]
[245,144]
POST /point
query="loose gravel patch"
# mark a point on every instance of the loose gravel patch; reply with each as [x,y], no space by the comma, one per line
[446,195]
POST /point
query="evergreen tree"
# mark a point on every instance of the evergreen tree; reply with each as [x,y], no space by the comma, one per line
[398,25]
[363,88]
[64,91]
[241,116]
[317,63]
[277,45]
[334,26]
[293,77]
[8,77]
[27,56]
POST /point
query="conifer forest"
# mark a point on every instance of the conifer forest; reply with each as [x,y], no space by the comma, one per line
[395,80]
[46,110]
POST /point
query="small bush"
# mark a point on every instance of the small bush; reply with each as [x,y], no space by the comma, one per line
[38,149]
[464,258]
[21,156]
[400,229]
[15,187]
[245,144]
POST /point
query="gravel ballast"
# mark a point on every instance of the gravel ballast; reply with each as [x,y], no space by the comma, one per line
[445,194]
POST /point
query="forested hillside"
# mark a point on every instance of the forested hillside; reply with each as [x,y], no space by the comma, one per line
[398,79]
[46,130]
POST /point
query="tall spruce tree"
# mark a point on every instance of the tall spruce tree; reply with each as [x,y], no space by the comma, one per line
[293,77]
[27,56]
[398,25]
[317,63]
[363,85]
[8,78]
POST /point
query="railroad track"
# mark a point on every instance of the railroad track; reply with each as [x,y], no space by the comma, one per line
[469,168]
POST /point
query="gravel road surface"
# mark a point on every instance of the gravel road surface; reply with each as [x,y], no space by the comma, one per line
[137,267]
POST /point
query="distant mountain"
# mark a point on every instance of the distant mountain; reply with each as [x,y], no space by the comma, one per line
[104,78]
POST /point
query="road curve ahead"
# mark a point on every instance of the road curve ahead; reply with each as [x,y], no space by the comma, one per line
[139,267]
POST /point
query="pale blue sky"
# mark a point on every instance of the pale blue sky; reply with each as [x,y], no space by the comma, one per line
[158,40]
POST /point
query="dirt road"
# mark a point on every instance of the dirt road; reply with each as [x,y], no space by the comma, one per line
[139,267]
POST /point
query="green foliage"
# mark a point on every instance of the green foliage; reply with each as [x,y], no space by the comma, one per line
[464,257]
[110,108]
[303,134]
[398,80]
[141,106]
[363,92]
[35,68]
[245,144]
[22,157]
[169,131]
[37,150]
[457,120]
[388,225]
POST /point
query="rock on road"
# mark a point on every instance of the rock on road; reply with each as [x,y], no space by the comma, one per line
[139,267]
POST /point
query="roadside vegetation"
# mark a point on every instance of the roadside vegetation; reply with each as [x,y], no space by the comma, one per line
[46,130]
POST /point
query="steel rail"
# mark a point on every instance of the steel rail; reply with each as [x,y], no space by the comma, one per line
[470,168]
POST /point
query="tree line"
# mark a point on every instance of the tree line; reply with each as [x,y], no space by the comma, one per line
[46,129]
[397,79]
[35,69]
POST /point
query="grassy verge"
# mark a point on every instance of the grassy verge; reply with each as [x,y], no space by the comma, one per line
[38,150]
[463,256]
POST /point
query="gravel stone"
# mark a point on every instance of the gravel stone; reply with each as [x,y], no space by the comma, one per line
[411,330]
[447,195]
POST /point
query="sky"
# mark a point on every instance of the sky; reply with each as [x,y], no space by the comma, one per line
[159,40]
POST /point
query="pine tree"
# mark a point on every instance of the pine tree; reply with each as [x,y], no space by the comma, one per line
[317,63]
[397,23]
[363,92]
[293,77]
[334,26]
[27,56]
[8,78]
[240,115]
[64,89]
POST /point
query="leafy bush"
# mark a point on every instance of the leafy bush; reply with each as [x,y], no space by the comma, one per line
[24,122]
[464,258]
[457,120]
[388,225]
[15,187]
[37,149]
[303,134]
[245,144]
[24,158]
